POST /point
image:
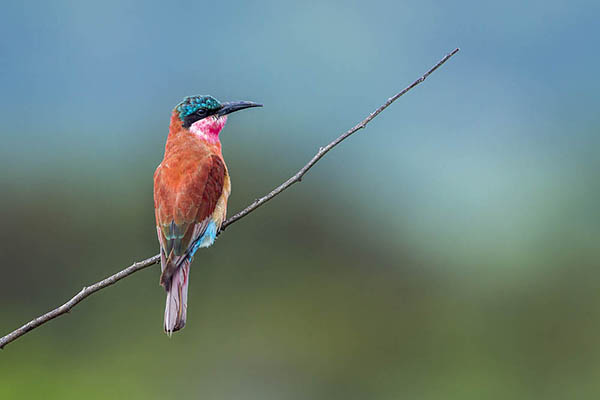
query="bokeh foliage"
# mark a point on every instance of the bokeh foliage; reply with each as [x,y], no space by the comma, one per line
[448,251]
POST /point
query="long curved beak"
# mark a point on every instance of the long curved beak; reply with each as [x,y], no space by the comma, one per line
[234,106]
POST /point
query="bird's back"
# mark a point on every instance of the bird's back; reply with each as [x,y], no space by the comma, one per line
[188,184]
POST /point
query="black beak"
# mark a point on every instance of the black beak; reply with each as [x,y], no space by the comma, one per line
[228,108]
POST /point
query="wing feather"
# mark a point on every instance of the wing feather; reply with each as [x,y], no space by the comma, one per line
[186,193]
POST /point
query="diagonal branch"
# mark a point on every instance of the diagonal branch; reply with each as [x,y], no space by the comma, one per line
[86,291]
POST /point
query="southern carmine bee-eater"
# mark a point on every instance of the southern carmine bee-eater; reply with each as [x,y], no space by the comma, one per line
[191,187]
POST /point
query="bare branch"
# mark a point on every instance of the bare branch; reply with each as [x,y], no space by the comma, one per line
[324,150]
[86,291]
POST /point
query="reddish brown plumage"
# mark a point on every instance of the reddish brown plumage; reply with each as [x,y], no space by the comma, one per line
[187,186]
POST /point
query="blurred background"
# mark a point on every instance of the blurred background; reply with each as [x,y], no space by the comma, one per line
[448,251]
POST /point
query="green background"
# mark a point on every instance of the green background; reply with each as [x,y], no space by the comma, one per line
[448,251]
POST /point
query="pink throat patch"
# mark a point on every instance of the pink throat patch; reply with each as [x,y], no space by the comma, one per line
[208,128]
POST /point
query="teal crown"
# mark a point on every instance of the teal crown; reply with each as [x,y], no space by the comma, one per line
[193,104]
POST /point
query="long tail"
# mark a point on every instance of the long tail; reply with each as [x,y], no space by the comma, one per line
[177,295]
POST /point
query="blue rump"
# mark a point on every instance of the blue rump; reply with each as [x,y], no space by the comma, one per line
[207,238]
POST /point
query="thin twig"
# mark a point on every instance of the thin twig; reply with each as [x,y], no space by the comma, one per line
[86,291]
[323,150]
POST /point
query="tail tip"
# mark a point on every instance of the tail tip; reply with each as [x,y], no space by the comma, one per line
[169,330]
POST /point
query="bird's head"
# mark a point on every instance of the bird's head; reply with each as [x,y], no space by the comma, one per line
[206,115]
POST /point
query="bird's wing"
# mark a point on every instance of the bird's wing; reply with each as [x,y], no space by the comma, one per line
[185,195]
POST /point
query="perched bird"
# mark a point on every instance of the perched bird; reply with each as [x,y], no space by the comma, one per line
[191,187]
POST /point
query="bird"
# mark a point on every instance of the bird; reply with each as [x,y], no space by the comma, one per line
[191,188]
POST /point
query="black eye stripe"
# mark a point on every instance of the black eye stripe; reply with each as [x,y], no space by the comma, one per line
[201,113]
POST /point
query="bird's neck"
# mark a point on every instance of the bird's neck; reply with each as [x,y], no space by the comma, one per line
[206,130]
